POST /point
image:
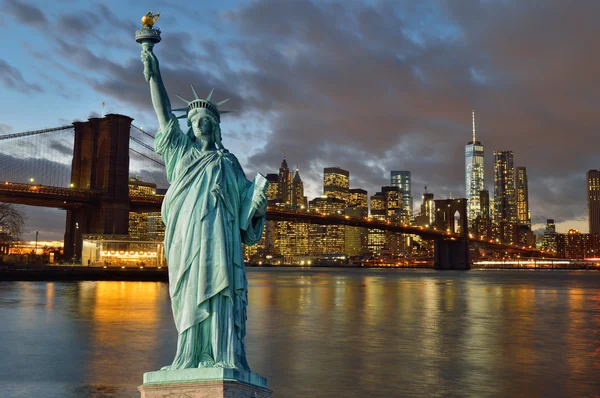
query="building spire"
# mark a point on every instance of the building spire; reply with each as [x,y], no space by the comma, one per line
[473,126]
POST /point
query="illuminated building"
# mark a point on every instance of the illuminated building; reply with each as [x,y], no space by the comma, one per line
[326,239]
[394,212]
[574,245]
[483,222]
[523,216]
[376,237]
[474,175]
[336,183]
[122,251]
[401,179]
[426,215]
[273,188]
[298,198]
[549,240]
[356,238]
[146,225]
[593,190]
[357,198]
[285,184]
[505,209]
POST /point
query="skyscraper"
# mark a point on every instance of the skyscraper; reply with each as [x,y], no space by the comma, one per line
[474,176]
[356,237]
[505,208]
[593,188]
[285,184]
[336,183]
[523,217]
[298,198]
[549,240]
[401,179]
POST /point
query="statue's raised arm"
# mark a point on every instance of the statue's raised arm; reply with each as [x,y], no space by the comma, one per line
[160,98]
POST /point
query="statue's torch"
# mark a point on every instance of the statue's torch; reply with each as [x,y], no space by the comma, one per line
[147,36]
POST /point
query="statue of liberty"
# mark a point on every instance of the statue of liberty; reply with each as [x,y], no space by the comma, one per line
[209,210]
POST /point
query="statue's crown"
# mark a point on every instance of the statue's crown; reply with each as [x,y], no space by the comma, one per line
[198,103]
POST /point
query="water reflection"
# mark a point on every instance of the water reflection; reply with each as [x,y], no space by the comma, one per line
[321,334]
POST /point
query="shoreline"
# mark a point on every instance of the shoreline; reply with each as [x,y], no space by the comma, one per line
[28,273]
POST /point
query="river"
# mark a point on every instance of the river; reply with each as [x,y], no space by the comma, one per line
[322,333]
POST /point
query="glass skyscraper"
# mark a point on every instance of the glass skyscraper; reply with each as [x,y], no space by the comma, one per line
[401,179]
[474,176]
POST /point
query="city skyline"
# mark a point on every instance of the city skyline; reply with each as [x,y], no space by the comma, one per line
[452,57]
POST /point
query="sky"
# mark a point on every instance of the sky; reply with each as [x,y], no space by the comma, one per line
[370,86]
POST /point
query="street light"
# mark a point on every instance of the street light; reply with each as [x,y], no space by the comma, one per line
[36,240]
[31,179]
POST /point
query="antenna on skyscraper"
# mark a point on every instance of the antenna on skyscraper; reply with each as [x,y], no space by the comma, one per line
[425,188]
[473,125]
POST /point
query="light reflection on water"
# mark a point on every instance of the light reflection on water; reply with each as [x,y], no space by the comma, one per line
[323,333]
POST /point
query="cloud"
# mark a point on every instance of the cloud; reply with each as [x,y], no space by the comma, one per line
[11,78]
[25,13]
[5,128]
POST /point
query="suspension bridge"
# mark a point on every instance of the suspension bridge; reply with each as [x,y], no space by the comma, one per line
[85,168]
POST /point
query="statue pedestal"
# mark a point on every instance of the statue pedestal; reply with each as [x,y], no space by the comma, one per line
[204,383]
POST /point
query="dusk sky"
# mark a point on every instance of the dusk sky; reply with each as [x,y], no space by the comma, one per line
[371,86]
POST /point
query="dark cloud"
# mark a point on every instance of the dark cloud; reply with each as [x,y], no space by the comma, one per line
[25,13]
[11,78]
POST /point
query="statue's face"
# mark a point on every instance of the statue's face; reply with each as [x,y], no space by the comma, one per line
[203,127]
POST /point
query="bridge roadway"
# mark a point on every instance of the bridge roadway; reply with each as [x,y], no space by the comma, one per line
[59,197]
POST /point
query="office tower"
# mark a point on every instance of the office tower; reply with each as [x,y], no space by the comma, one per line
[474,176]
[549,240]
[593,199]
[326,239]
[483,222]
[285,184]
[426,215]
[523,216]
[298,198]
[356,237]
[336,183]
[273,188]
[357,197]
[394,212]
[401,179]
[376,240]
[484,203]
[505,207]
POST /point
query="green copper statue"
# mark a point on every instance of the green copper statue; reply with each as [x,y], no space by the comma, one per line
[209,210]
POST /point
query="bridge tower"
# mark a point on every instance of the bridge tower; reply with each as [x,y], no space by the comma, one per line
[100,163]
[452,253]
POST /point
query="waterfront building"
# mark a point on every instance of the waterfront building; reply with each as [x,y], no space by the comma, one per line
[549,242]
[523,215]
[326,239]
[483,222]
[336,183]
[376,237]
[505,208]
[474,175]
[593,200]
[284,188]
[356,237]
[401,179]
[146,225]
[426,215]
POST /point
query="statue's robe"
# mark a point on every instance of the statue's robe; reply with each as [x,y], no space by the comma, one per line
[208,214]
